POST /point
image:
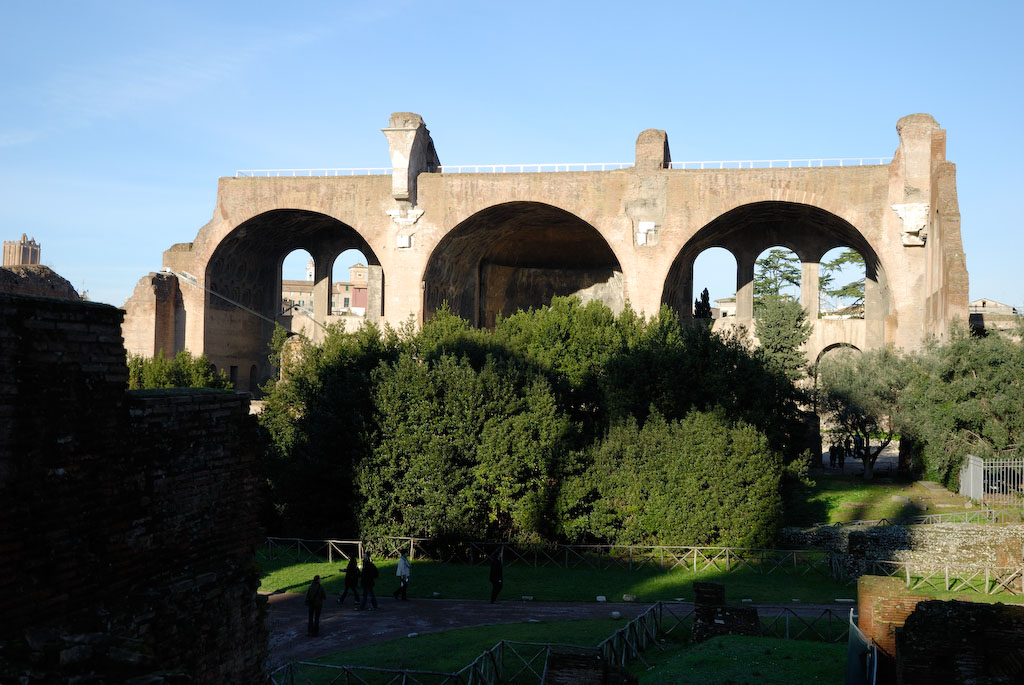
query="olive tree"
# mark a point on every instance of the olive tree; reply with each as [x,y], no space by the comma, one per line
[860,393]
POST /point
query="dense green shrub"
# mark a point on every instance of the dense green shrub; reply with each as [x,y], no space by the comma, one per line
[183,371]
[460,451]
[456,431]
[317,420]
[703,480]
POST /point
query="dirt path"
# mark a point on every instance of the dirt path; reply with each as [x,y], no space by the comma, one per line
[343,628]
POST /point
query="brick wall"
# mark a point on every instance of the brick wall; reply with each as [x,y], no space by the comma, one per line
[961,642]
[128,521]
[883,605]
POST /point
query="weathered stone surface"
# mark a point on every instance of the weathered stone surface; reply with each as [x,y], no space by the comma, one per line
[112,499]
[36,279]
[928,546]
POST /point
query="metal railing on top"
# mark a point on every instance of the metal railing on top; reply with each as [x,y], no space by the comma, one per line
[785,163]
[531,168]
[369,171]
[561,167]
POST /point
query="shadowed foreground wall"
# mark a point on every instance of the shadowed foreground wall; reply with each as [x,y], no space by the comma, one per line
[128,521]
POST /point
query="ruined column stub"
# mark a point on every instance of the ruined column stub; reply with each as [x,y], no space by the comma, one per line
[412,152]
[652,150]
[921,143]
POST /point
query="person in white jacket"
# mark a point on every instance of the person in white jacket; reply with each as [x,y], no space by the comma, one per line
[403,571]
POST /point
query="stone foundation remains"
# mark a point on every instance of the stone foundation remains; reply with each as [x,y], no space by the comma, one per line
[927,546]
[712,617]
[129,520]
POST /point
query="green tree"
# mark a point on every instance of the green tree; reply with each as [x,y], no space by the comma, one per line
[774,271]
[572,344]
[316,421]
[183,371]
[781,328]
[853,292]
[460,451]
[860,393]
[702,306]
[451,430]
[700,481]
[965,398]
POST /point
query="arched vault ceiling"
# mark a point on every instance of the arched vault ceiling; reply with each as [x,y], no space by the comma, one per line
[525,235]
[274,234]
[809,231]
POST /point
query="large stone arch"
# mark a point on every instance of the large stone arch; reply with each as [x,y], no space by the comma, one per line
[835,348]
[243,284]
[810,231]
[517,255]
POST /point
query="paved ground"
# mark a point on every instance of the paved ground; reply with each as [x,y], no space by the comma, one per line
[887,463]
[343,628]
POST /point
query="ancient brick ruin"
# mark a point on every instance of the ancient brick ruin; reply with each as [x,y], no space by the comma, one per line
[923,640]
[961,642]
[713,617]
[492,243]
[128,521]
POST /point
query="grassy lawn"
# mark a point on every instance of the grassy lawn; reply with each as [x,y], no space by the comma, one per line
[450,650]
[460,581]
[738,659]
[837,498]
[728,659]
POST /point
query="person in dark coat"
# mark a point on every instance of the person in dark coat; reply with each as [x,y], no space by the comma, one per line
[315,597]
[369,577]
[351,581]
[497,576]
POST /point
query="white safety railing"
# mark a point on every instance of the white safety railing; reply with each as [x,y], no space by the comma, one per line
[253,173]
[783,163]
[562,167]
[531,168]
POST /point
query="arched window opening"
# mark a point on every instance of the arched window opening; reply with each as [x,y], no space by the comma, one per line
[350,287]
[297,281]
[841,283]
[777,273]
[714,271]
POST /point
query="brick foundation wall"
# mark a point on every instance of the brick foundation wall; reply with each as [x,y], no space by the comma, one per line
[961,642]
[128,521]
[883,605]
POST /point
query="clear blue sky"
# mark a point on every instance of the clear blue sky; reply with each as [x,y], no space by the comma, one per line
[117,118]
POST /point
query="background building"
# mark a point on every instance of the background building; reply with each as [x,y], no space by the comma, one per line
[21,252]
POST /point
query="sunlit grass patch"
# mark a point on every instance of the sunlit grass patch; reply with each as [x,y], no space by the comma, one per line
[737,659]
[647,584]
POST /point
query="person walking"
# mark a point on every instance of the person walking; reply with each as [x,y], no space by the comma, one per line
[351,581]
[369,577]
[497,576]
[315,597]
[403,572]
